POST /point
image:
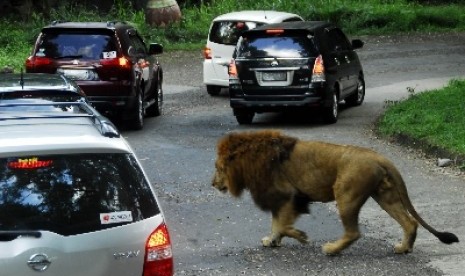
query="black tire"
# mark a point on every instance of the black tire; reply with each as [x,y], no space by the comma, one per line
[157,108]
[331,113]
[244,117]
[137,118]
[213,90]
[357,98]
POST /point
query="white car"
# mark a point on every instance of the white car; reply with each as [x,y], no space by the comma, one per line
[74,199]
[224,33]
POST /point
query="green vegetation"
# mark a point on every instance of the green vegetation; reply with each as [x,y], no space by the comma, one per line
[435,119]
[357,17]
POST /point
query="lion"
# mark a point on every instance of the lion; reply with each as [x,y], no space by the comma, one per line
[284,175]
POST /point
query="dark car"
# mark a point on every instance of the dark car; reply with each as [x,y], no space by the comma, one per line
[121,76]
[295,65]
[39,89]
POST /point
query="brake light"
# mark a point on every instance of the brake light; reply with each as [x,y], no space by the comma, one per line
[318,73]
[207,53]
[158,254]
[118,62]
[232,69]
[29,163]
[275,31]
[34,61]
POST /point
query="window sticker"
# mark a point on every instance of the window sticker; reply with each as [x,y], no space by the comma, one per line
[116,217]
[111,54]
[40,52]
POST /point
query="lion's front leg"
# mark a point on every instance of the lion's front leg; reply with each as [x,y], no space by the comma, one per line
[282,224]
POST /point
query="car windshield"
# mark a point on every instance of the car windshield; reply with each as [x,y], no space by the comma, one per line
[73,194]
[76,45]
[275,46]
[228,32]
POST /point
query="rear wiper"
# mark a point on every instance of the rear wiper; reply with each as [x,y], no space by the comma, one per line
[14,234]
[75,56]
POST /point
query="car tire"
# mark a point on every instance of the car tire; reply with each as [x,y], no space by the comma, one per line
[157,108]
[331,112]
[137,118]
[357,98]
[213,90]
[244,117]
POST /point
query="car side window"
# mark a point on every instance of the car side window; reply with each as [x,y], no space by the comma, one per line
[338,41]
[138,44]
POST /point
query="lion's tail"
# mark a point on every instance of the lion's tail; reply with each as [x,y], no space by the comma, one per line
[444,237]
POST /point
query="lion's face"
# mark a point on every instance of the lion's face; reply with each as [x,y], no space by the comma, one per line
[220,180]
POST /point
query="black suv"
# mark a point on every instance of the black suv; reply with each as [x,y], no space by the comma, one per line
[109,60]
[295,65]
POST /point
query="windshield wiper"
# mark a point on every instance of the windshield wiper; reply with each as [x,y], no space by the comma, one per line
[14,234]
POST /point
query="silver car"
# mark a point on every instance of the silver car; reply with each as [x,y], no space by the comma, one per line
[74,199]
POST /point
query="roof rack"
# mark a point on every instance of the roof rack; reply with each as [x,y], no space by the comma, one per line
[83,110]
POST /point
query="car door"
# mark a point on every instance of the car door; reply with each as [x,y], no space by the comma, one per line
[144,62]
[342,54]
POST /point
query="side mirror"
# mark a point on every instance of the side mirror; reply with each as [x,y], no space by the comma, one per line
[357,44]
[155,48]
[131,51]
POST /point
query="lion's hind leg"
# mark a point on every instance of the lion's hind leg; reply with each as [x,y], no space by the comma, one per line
[349,202]
[388,198]
[282,225]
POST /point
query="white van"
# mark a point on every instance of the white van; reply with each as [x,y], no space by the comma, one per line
[224,32]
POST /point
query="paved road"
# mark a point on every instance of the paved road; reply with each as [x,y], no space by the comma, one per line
[216,235]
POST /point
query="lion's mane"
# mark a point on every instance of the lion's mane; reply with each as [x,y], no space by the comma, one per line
[252,161]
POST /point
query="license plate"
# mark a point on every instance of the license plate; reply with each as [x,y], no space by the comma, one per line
[274,76]
[78,74]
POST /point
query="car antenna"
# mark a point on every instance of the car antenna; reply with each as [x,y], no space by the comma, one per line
[21,81]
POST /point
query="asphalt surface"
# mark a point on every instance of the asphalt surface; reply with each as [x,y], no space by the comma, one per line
[217,235]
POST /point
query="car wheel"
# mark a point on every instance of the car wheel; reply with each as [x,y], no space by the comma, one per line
[359,95]
[137,121]
[213,90]
[331,113]
[157,108]
[244,117]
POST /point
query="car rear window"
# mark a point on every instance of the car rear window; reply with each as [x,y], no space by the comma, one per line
[80,45]
[282,46]
[228,32]
[73,194]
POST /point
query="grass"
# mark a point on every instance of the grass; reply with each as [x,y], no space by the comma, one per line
[433,118]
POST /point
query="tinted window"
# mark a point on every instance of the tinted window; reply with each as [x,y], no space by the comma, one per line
[276,46]
[228,32]
[75,45]
[338,41]
[73,194]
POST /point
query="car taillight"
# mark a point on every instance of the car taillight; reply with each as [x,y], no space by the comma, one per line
[121,62]
[158,254]
[207,53]
[318,73]
[33,62]
[232,71]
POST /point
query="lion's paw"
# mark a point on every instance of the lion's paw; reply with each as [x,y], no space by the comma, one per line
[270,242]
[331,248]
[400,249]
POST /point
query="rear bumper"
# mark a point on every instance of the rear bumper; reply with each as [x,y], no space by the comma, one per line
[313,98]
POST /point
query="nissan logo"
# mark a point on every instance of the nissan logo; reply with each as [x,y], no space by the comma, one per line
[274,63]
[39,262]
